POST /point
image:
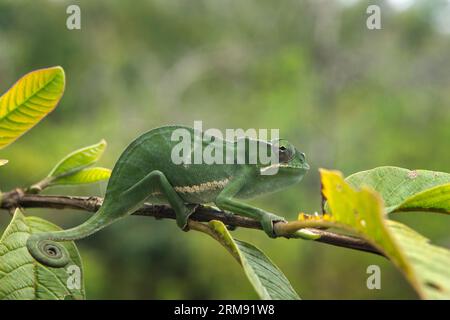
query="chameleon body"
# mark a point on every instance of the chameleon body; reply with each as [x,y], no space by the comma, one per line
[145,172]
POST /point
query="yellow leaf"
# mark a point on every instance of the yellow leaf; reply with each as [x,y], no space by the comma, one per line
[424,265]
[28,101]
[361,211]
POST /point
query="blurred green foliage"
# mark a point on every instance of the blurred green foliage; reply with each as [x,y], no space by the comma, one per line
[351,98]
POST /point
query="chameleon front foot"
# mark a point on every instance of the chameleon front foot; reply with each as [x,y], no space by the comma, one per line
[268,221]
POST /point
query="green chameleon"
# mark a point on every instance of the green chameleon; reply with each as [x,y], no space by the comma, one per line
[145,172]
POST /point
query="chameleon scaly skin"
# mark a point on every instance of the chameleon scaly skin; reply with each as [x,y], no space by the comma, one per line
[145,172]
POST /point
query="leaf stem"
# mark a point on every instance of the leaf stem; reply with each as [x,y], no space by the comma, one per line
[39,186]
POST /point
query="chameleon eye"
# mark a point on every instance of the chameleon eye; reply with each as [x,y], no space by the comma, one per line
[284,154]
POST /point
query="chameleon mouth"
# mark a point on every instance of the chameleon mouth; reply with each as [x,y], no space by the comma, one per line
[304,166]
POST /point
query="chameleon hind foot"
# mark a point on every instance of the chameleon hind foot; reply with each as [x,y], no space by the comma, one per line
[182,216]
[158,180]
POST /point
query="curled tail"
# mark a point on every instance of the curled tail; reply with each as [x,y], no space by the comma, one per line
[44,246]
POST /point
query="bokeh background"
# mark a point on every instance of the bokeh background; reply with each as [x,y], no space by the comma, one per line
[351,98]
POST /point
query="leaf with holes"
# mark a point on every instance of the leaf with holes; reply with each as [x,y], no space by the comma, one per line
[267,280]
[21,277]
[360,211]
[429,262]
[407,190]
[28,101]
[424,265]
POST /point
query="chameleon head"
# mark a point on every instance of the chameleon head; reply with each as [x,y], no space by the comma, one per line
[47,252]
[291,164]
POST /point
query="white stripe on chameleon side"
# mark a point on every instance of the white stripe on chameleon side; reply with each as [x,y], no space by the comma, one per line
[207,186]
[203,187]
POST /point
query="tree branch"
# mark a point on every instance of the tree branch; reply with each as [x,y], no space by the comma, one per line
[203,213]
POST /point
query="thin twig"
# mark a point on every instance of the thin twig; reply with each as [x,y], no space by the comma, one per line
[203,213]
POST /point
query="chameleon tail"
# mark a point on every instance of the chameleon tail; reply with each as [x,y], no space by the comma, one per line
[44,246]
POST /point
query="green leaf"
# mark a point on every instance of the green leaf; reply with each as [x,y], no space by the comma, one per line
[3,162]
[435,200]
[28,101]
[73,169]
[403,189]
[425,266]
[88,175]
[267,280]
[79,159]
[22,277]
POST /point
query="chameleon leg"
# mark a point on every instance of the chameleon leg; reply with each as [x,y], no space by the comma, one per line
[44,248]
[156,180]
[225,201]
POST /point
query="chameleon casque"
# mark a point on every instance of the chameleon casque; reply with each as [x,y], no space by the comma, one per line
[146,173]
